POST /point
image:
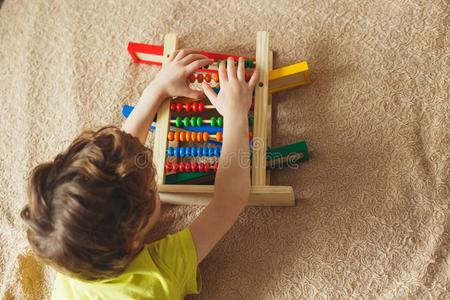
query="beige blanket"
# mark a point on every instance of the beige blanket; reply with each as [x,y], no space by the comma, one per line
[372,213]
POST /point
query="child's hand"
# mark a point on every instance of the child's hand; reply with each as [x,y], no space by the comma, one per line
[173,79]
[235,95]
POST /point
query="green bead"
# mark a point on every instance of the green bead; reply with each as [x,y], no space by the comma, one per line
[213,121]
[220,121]
[250,121]
[178,121]
[199,121]
[186,121]
[192,121]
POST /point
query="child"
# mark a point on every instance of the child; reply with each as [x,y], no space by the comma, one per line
[90,208]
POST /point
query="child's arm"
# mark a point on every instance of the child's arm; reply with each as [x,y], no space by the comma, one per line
[232,185]
[171,81]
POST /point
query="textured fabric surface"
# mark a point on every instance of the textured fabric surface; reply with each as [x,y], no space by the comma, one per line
[372,213]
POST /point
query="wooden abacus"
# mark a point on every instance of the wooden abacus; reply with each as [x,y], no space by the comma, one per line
[262,193]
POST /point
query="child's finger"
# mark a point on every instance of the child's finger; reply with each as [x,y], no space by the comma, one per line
[222,72]
[183,52]
[241,69]
[193,57]
[254,79]
[209,92]
[198,64]
[231,68]
[194,94]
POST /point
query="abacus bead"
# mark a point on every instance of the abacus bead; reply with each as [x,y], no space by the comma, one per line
[179,106]
[199,137]
[250,135]
[170,136]
[211,152]
[192,121]
[199,121]
[199,78]
[194,167]
[219,136]
[187,136]
[247,76]
[208,78]
[177,136]
[216,167]
[170,151]
[188,151]
[220,121]
[217,152]
[187,106]
[182,151]
[206,167]
[192,78]
[205,136]
[201,167]
[205,151]
[250,120]
[199,151]
[175,167]
[213,121]
[178,121]
[215,77]
[173,106]
[177,151]
[195,106]
[187,167]
[201,106]
[168,166]
[193,136]
[186,121]
[181,167]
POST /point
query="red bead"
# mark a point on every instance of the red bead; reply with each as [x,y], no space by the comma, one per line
[179,106]
[175,167]
[208,78]
[207,167]
[192,78]
[199,78]
[201,167]
[252,106]
[195,106]
[247,76]
[173,106]
[187,106]
[194,166]
[201,106]
[181,167]
[187,167]
[216,167]
[168,166]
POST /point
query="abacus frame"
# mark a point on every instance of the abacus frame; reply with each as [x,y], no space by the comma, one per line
[262,193]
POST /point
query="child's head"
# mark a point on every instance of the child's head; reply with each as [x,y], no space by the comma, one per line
[90,207]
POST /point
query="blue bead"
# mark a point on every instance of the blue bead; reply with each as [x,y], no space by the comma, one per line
[217,151]
[170,151]
[205,151]
[211,152]
[182,151]
[199,151]
[188,151]
[177,151]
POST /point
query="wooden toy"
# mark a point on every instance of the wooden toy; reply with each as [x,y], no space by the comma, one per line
[181,140]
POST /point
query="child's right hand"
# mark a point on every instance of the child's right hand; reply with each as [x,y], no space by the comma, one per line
[235,95]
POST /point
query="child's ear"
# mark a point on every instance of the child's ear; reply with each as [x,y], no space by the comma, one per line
[135,243]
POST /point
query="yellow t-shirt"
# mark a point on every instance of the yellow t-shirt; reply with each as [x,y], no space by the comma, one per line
[165,269]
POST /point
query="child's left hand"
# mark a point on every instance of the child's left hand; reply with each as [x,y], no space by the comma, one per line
[173,79]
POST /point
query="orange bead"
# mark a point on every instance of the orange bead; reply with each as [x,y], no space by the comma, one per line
[208,78]
[199,78]
[187,137]
[177,136]
[193,135]
[182,136]
[215,77]
[199,137]
[250,135]
[170,136]
[205,136]
[219,136]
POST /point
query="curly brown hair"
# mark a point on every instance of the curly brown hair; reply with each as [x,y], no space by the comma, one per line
[86,206]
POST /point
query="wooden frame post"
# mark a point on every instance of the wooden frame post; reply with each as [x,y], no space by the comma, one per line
[162,124]
[260,110]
